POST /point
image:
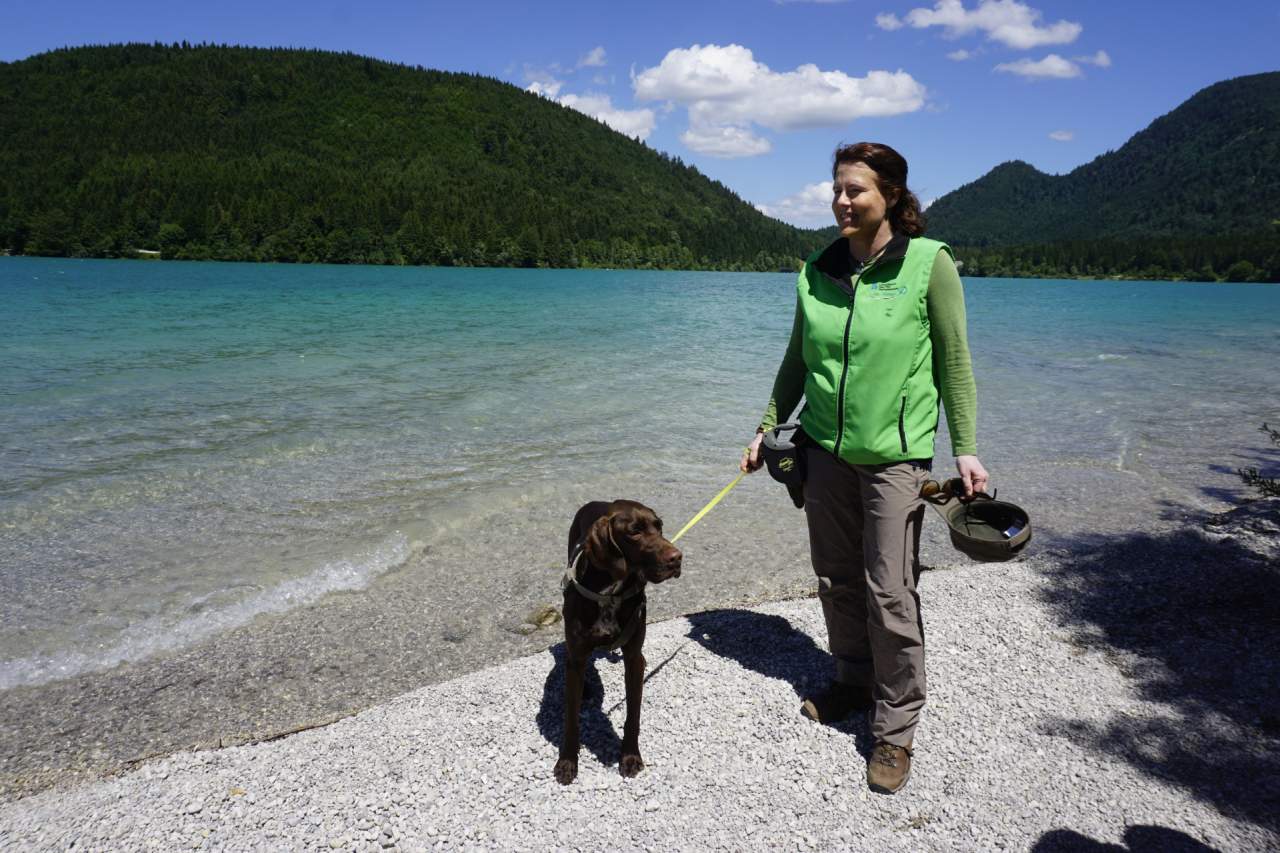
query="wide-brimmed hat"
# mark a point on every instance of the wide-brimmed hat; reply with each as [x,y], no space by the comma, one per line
[982,528]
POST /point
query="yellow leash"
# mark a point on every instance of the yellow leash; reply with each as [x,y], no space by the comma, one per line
[710,506]
[706,509]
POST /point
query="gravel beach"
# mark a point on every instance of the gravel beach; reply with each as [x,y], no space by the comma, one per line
[1097,698]
[459,603]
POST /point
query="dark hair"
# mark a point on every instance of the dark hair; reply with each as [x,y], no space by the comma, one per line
[905,217]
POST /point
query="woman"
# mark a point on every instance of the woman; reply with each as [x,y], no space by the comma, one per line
[878,337]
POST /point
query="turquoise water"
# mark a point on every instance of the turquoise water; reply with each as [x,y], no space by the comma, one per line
[191,446]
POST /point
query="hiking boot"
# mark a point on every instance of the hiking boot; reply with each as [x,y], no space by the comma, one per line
[889,767]
[836,703]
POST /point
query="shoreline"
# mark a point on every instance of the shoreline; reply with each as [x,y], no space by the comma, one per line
[20,789]
[416,626]
[411,629]
[1106,738]
[1116,277]
[17,788]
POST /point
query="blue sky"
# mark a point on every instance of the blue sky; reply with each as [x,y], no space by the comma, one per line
[757,93]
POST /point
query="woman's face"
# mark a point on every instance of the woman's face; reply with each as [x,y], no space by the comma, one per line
[856,201]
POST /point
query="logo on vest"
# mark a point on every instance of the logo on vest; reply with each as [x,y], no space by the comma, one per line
[882,291]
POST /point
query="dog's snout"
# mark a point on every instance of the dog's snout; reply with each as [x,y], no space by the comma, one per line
[671,561]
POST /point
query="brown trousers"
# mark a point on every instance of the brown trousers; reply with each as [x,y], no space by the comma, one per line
[864,541]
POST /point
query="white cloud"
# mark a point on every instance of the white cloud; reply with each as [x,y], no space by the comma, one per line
[1051,66]
[959,55]
[725,142]
[1100,59]
[548,87]
[726,85]
[726,91]
[1007,21]
[636,123]
[889,21]
[809,208]
[1062,135]
[594,58]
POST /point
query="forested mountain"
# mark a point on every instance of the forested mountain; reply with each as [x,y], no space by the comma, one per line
[298,155]
[1210,167]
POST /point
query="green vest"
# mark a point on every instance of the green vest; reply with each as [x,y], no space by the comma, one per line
[870,395]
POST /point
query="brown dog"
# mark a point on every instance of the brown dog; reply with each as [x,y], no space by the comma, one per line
[615,549]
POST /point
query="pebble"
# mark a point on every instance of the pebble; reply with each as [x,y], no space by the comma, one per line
[730,763]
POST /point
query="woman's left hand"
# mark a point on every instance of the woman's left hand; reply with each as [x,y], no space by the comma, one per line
[973,474]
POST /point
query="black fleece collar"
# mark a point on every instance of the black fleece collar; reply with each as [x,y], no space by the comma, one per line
[837,264]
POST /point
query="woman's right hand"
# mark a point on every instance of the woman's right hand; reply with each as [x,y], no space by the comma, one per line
[751,455]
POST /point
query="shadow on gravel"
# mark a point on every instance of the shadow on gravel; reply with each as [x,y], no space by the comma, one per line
[1193,623]
[1137,839]
[597,732]
[771,646]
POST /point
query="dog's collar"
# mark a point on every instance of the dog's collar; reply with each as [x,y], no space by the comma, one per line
[615,593]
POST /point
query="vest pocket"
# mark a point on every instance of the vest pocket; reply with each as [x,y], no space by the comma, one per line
[902,424]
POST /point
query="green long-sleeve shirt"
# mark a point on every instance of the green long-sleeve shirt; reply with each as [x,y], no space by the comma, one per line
[952,369]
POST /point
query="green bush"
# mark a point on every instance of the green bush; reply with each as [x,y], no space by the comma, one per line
[1267,487]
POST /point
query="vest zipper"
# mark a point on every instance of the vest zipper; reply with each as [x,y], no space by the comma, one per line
[844,374]
[844,359]
[902,426]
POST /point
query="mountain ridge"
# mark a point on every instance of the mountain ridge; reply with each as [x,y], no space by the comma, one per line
[1209,166]
[272,154]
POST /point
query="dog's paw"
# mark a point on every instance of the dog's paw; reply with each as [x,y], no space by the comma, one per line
[630,765]
[566,770]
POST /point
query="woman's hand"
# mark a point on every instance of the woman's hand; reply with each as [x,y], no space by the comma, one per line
[973,474]
[751,456]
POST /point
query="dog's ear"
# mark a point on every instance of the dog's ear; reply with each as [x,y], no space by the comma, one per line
[603,551]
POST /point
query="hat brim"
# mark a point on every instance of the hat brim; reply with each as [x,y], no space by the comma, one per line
[987,530]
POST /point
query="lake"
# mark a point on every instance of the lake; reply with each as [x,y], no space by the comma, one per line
[195,449]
